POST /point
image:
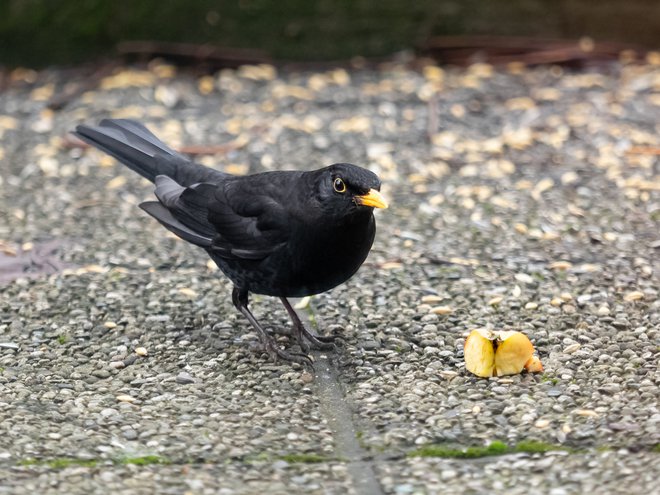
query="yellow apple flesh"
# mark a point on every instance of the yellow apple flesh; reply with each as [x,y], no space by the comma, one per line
[499,353]
[513,352]
[479,354]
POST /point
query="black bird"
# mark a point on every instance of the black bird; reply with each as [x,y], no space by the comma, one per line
[282,233]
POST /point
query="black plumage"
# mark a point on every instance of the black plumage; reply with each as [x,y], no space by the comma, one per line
[282,233]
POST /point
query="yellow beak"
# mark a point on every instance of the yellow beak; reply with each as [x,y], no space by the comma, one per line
[372,198]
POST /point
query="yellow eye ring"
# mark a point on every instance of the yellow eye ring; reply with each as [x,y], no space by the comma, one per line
[339,185]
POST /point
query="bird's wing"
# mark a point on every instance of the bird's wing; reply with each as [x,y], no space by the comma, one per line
[250,222]
[234,219]
[182,210]
[165,217]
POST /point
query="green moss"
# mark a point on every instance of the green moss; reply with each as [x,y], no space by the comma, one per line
[552,379]
[62,339]
[656,449]
[535,447]
[493,449]
[144,460]
[303,458]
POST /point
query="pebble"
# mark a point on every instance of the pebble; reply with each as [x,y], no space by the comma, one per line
[184,378]
[130,434]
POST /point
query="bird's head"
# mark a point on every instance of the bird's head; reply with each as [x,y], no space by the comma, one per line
[344,189]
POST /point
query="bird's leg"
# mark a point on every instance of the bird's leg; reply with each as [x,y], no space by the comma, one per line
[302,334]
[240,300]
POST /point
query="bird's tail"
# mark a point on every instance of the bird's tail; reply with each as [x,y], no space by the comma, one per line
[136,147]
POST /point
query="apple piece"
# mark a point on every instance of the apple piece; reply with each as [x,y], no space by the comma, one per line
[514,350]
[479,351]
[534,365]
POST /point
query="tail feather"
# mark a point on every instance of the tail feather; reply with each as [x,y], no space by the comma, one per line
[140,150]
[138,134]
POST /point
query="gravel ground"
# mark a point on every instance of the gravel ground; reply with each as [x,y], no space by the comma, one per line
[525,199]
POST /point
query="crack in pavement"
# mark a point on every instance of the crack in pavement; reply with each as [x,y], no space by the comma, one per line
[336,408]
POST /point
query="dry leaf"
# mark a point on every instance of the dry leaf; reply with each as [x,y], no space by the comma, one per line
[441,310]
[187,292]
[633,296]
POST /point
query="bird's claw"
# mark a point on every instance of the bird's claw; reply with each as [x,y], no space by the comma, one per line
[275,353]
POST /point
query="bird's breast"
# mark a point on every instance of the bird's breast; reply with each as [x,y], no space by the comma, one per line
[322,258]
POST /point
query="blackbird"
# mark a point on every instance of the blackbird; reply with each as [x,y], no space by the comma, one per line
[281,233]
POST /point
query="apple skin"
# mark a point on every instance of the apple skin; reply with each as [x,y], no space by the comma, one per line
[534,365]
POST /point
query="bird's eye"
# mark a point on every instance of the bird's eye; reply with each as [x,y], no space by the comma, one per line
[339,185]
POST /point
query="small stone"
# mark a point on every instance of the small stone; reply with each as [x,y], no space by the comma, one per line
[604,310]
[584,298]
[130,434]
[531,305]
[110,325]
[306,377]
[370,345]
[125,398]
[554,392]
[542,423]
[524,278]
[184,378]
[448,474]
[556,301]
[141,351]
[130,359]
[571,348]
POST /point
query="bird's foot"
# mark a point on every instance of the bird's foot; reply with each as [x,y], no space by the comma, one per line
[308,340]
[319,342]
[270,347]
